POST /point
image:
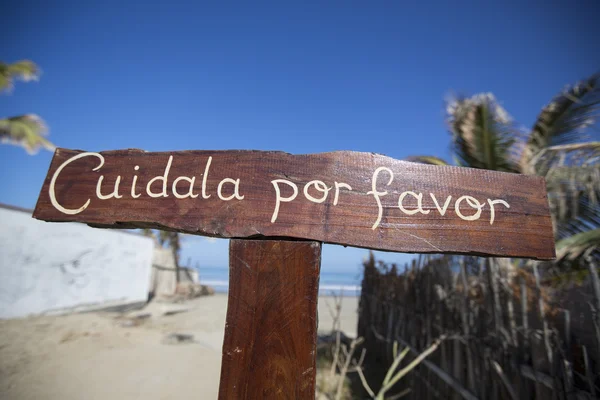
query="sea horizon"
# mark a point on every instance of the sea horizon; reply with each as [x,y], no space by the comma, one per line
[330,283]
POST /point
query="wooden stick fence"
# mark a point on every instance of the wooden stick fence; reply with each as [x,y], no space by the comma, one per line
[510,352]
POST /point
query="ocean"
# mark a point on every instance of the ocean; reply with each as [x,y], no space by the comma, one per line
[347,283]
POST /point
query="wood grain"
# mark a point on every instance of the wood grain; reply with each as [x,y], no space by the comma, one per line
[523,230]
[271,327]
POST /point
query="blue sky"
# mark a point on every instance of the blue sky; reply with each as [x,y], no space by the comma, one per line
[302,78]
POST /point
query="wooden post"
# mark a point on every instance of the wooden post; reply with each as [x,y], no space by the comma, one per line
[271,327]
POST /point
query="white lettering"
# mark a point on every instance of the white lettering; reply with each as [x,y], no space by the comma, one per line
[377,194]
[446,204]
[205,177]
[280,199]
[337,191]
[115,192]
[55,177]
[492,211]
[162,178]
[133,183]
[236,190]
[321,187]
[472,201]
[315,191]
[190,192]
[419,198]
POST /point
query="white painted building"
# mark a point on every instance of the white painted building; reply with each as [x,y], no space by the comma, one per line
[59,267]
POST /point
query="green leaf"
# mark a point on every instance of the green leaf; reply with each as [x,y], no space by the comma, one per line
[484,135]
[572,174]
[27,131]
[24,70]
[427,160]
[578,245]
[565,118]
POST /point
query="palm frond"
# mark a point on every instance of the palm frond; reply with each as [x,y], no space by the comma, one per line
[24,70]
[581,215]
[565,119]
[572,174]
[484,135]
[148,233]
[427,160]
[578,245]
[27,131]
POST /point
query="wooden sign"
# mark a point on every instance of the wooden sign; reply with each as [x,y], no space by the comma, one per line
[350,198]
[357,199]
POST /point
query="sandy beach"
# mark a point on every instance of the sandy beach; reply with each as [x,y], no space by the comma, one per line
[102,355]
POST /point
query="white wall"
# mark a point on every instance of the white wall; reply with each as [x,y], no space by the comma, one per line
[54,267]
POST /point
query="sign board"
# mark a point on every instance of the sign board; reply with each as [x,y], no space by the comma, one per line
[349,198]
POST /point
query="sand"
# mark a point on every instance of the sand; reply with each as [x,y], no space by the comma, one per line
[102,355]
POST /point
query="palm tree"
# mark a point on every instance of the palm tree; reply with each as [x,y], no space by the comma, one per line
[29,130]
[168,239]
[485,136]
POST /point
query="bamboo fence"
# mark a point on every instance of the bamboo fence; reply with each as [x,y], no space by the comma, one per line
[503,339]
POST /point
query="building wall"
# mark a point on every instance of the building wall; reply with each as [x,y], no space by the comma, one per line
[163,281]
[164,273]
[188,275]
[58,267]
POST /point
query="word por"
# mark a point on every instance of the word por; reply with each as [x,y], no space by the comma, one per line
[320,186]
